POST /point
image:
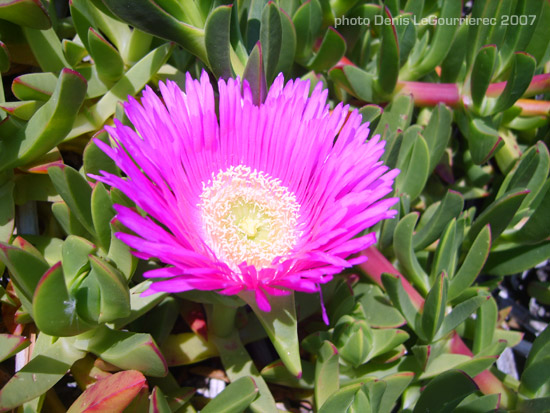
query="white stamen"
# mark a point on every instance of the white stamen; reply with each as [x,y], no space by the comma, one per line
[248,216]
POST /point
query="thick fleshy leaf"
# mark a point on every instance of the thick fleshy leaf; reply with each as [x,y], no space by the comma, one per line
[483,140]
[277,373]
[107,59]
[150,18]
[485,326]
[388,59]
[115,296]
[459,314]
[54,311]
[498,215]
[433,313]
[333,47]
[281,326]
[517,259]
[473,263]
[29,13]
[403,247]
[377,308]
[23,110]
[400,298]
[445,392]
[46,48]
[45,369]
[102,214]
[431,226]
[482,73]
[437,133]
[49,125]
[235,397]
[34,86]
[25,268]
[111,394]
[271,37]
[75,252]
[523,68]
[255,76]
[76,192]
[326,373]
[126,350]
[307,21]
[10,345]
[217,42]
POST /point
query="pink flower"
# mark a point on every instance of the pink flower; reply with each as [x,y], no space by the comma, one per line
[269,198]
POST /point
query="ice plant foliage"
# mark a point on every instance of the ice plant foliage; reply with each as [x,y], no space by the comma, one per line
[269,198]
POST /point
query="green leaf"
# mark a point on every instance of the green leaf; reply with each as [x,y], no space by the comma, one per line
[459,314]
[95,160]
[445,392]
[379,312]
[25,268]
[388,59]
[326,373]
[126,350]
[444,259]
[307,21]
[10,345]
[102,214]
[483,140]
[449,208]
[360,82]
[139,305]
[76,192]
[108,62]
[344,399]
[73,52]
[433,313]
[535,379]
[400,298]
[47,49]
[40,374]
[271,39]
[49,125]
[332,49]
[23,110]
[75,251]
[437,133]
[54,311]
[277,373]
[403,248]
[234,398]
[486,323]
[473,263]
[523,68]
[255,76]
[483,404]
[482,73]
[34,86]
[115,296]
[217,42]
[281,326]
[111,394]
[150,18]
[27,13]
[353,339]
[439,47]
[158,402]
[498,215]
[517,259]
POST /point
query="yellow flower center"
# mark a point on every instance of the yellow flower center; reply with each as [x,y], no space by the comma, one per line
[248,216]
